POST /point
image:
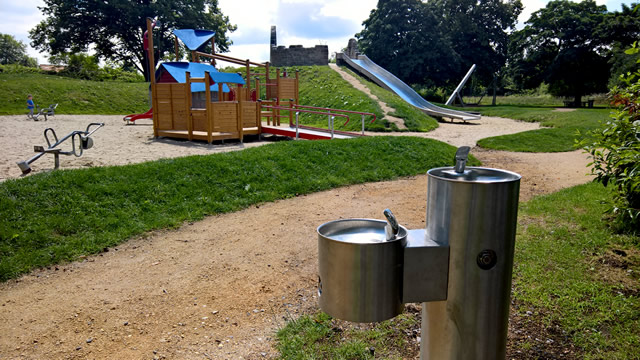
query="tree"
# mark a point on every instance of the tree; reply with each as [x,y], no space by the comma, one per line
[114,29]
[479,33]
[403,36]
[436,42]
[558,45]
[13,51]
[620,29]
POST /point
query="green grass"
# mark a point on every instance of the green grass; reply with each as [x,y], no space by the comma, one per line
[73,96]
[559,270]
[560,134]
[320,337]
[560,274]
[534,100]
[53,217]
[320,86]
[414,119]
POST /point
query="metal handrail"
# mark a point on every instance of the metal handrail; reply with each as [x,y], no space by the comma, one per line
[344,111]
[338,110]
[331,116]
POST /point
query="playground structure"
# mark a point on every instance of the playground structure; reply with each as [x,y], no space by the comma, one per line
[50,111]
[363,65]
[194,101]
[457,93]
[80,141]
[131,118]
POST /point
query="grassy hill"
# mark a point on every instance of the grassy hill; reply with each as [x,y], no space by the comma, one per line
[319,86]
[74,96]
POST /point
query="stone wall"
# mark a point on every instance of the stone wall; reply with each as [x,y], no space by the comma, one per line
[296,55]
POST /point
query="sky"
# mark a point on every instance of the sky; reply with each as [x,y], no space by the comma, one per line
[298,22]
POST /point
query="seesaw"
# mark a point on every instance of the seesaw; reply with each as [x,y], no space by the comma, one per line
[80,141]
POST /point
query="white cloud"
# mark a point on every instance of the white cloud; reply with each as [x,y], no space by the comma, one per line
[298,22]
[18,17]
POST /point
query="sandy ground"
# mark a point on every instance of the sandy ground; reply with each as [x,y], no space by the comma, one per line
[218,288]
[114,144]
[118,144]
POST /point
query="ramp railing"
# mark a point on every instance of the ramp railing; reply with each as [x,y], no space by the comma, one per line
[330,117]
[330,110]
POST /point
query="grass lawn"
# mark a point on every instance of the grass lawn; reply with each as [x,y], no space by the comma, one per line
[58,216]
[570,270]
[560,134]
[73,96]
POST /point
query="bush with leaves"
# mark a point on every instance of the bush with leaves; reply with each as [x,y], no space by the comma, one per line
[615,149]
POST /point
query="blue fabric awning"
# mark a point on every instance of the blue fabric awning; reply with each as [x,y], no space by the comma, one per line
[193,39]
[178,71]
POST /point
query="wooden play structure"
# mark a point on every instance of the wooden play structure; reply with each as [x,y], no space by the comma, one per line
[193,100]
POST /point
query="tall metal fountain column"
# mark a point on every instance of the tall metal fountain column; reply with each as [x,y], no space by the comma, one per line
[475,213]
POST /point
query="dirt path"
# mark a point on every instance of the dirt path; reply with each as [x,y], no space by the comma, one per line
[358,85]
[218,288]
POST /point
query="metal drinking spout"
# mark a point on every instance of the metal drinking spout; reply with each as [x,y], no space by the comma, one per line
[462,155]
[392,228]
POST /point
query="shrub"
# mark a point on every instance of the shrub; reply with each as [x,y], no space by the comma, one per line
[112,72]
[615,149]
[431,93]
[82,66]
[19,69]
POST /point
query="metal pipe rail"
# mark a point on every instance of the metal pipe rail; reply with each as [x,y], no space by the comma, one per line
[298,111]
[344,111]
[229,59]
[84,142]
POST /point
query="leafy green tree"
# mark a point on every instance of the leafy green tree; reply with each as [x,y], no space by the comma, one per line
[435,42]
[478,31]
[115,28]
[13,51]
[403,36]
[558,45]
[620,29]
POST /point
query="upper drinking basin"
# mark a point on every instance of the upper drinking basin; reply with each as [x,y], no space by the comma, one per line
[474,175]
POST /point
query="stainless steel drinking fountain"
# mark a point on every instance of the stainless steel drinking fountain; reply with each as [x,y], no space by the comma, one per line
[459,267]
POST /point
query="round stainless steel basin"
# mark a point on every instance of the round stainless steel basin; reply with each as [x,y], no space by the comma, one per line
[360,271]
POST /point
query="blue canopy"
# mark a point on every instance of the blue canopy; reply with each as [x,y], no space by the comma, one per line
[178,71]
[193,39]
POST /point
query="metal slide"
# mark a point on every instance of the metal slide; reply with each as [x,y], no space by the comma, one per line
[387,80]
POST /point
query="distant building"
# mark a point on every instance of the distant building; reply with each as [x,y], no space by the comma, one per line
[56,68]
